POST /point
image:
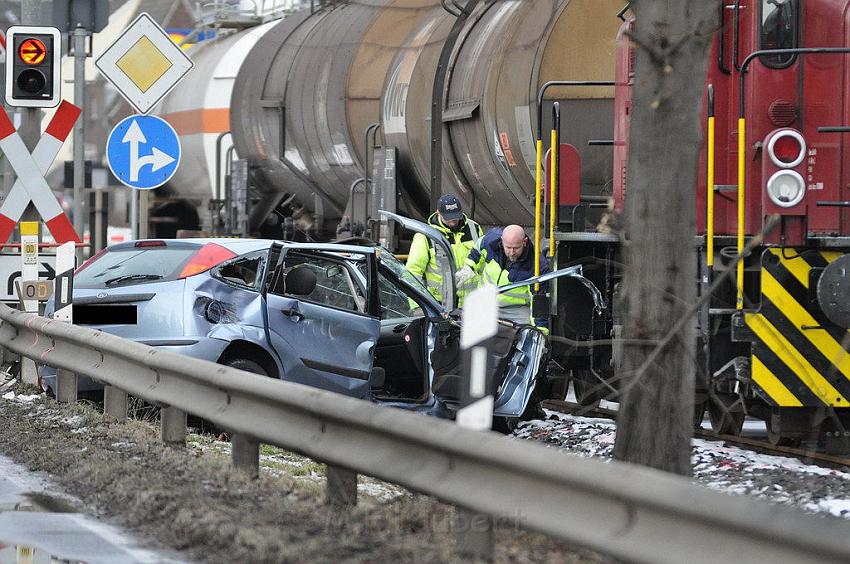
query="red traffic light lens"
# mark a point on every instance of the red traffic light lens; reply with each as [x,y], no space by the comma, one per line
[787,149]
[32,51]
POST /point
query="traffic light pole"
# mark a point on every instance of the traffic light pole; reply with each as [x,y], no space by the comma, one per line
[30,131]
[78,36]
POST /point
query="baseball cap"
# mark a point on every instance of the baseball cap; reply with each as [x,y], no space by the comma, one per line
[449,207]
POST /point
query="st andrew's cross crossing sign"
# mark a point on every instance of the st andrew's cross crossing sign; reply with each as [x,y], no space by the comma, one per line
[143,151]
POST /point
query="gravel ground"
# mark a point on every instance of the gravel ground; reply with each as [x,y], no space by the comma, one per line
[732,470]
[190,499]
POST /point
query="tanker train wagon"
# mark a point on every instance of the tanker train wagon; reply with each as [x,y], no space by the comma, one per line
[333,111]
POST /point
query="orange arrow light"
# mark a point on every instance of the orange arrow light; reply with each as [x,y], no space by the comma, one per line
[32,51]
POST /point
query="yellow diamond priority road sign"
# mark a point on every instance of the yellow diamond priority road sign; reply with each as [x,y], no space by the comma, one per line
[144,63]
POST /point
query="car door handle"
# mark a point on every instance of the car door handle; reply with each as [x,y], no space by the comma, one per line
[399,328]
[293,314]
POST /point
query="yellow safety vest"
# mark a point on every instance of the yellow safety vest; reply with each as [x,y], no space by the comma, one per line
[422,259]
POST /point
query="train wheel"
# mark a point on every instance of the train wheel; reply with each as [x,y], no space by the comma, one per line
[588,389]
[725,414]
[699,413]
[778,439]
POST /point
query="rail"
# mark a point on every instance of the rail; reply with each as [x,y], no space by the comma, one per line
[630,512]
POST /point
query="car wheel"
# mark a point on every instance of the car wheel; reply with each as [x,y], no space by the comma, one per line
[247,366]
[204,426]
[505,425]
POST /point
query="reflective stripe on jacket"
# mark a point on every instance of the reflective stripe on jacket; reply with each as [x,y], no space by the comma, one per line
[497,270]
[422,259]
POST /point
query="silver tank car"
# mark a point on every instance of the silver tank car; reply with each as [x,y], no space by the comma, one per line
[313,84]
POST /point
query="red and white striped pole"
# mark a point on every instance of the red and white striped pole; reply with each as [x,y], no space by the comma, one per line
[31,168]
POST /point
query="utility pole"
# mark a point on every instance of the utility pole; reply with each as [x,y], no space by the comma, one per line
[78,37]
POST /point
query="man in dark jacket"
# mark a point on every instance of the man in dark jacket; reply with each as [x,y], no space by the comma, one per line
[508,257]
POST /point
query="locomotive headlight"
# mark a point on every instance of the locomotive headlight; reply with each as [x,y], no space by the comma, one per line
[786,188]
[786,149]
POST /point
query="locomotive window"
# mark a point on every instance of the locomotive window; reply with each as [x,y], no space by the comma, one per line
[779,25]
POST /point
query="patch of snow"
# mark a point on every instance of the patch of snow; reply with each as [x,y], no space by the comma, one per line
[73,422]
[722,468]
[837,507]
[381,491]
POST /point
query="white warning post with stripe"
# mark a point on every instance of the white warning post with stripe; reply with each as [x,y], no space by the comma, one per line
[30,169]
[64,283]
[29,271]
[479,323]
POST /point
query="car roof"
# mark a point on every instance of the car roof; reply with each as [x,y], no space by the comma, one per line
[241,246]
[238,246]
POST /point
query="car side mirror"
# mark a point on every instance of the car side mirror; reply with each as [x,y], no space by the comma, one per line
[300,281]
[332,271]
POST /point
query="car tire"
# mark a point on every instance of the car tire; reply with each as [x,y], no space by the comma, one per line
[204,426]
[247,366]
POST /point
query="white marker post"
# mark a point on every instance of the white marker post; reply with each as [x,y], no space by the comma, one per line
[63,296]
[480,323]
[29,271]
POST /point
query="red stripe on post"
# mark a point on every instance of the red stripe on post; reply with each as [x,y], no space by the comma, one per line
[63,120]
[62,229]
[6,126]
[7,226]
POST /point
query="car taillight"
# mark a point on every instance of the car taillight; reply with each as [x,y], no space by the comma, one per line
[786,149]
[143,244]
[206,257]
[90,260]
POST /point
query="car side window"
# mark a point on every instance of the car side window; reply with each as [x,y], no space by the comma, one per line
[395,303]
[334,285]
[244,271]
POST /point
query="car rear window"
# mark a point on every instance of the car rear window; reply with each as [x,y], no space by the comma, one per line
[120,267]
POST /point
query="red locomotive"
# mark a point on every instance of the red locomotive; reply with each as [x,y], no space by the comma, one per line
[775,337]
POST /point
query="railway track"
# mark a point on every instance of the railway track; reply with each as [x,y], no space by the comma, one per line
[805,455]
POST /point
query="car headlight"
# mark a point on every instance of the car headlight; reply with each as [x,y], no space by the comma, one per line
[786,188]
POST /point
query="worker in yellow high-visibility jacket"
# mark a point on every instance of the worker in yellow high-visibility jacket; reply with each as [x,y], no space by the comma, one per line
[462,234]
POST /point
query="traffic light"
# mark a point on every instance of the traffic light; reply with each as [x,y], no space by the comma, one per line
[33,56]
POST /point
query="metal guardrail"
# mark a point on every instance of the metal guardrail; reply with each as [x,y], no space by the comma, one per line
[627,511]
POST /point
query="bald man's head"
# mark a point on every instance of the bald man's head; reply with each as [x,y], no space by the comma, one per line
[513,242]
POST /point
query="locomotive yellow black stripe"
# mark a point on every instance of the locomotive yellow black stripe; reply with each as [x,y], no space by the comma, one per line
[830,381]
[799,358]
[789,275]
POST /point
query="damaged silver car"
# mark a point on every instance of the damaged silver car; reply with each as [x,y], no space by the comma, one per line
[346,318]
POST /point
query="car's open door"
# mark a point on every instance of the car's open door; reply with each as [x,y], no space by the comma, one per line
[324,332]
[443,251]
[573,272]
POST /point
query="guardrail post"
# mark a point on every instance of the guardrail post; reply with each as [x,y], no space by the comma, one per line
[115,402]
[66,386]
[172,425]
[342,487]
[480,323]
[245,453]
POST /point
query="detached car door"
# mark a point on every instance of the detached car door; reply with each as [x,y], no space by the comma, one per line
[325,337]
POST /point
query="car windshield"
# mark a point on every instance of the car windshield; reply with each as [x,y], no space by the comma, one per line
[132,266]
[398,268]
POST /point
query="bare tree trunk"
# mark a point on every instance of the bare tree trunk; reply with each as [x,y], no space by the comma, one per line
[671,41]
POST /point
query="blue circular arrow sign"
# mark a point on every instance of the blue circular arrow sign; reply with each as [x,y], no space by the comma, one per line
[143,151]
